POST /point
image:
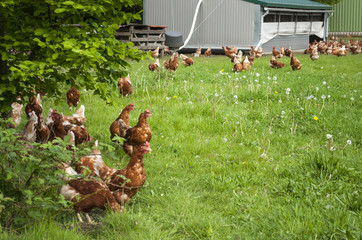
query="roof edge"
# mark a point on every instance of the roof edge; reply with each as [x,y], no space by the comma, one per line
[268,3]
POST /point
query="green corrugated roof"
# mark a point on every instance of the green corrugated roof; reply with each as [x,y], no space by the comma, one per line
[299,4]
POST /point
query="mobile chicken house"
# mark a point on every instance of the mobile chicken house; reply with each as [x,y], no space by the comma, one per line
[241,23]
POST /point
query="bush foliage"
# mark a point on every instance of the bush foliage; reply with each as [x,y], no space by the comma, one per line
[29,178]
[45,44]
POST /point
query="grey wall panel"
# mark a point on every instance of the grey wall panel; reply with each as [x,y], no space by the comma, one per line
[297,42]
[219,22]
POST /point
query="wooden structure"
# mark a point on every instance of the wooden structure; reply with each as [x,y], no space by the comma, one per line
[144,37]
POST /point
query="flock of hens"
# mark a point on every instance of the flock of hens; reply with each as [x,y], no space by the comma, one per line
[116,187]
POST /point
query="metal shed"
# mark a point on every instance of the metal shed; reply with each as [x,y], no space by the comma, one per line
[240,23]
[346,19]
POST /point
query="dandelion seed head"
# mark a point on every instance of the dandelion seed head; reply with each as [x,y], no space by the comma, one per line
[349,142]
[323,96]
[274,78]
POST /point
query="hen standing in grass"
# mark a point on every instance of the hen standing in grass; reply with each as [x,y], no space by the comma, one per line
[73,97]
[34,105]
[207,53]
[124,183]
[42,131]
[87,194]
[294,63]
[154,66]
[125,85]
[275,63]
[16,111]
[186,61]
[139,134]
[121,124]
[172,64]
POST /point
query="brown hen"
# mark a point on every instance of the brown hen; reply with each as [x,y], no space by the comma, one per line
[121,124]
[73,97]
[139,134]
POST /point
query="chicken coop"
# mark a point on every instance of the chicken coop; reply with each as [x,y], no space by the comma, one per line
[241,23]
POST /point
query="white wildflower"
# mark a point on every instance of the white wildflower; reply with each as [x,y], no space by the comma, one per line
[324,83]
[236,86]
[269,78]
[288,89]
[323,96]
[333,148]
[216,95]
[185,81]
[302,109]
[257,74]
[168,98]
[354,90]
[352,98]
[317,88]
[263,155]
[225,139]
[329,96]
[349,142]
[252,101]
[190,102]
[321,67]
[197,156]
[329,136]
[256,80]
[280,101]
[344,96]
[244,76]
[283,112]
[236,96]
[202,80]
[274,78]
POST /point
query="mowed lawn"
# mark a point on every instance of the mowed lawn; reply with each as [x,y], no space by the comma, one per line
[262,154]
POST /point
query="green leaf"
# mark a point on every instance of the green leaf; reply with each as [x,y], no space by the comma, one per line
[39,31]
[68,3]
[59,10]
[55,55]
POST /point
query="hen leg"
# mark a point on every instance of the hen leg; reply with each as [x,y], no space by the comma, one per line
[88,218]
[79,217]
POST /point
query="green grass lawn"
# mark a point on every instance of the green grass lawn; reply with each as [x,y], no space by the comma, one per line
[235,155]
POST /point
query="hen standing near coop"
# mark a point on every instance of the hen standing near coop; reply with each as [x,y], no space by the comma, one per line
[207,53]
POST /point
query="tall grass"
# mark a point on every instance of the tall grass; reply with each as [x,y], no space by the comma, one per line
[237,155]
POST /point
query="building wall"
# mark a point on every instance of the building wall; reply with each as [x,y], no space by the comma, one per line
[298,43]
[347,17]
[212,29]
